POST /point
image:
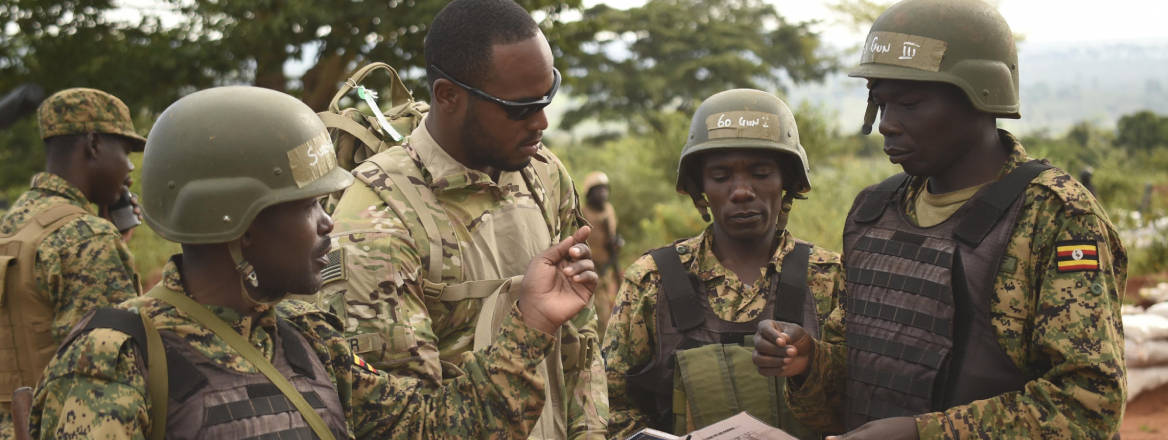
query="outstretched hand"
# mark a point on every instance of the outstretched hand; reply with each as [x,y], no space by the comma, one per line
[782,349]
[558,283]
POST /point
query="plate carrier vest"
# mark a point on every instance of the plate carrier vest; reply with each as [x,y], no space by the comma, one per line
[919,335]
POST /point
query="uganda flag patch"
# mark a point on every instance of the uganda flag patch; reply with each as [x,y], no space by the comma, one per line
[360,363]
[1077,256]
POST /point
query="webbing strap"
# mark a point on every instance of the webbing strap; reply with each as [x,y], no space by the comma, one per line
[343,123]
[793,278]
[455,292]
[994,201]
[415,199]
[904,383]
[156,378]
[903,283]
[879,197]
[224,331]
[905,352]
[908,251]
[679,290]
[912,318]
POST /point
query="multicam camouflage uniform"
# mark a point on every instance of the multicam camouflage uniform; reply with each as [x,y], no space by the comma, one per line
[85,264]
[96,387]
[1063,328]
[377,283]
[631,337]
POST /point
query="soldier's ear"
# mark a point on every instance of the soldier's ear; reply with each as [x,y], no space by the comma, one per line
[89,145]
[447,95]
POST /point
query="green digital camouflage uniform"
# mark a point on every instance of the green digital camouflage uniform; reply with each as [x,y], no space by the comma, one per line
[376,282]
[630,338]
[1062,327]
[85,264]
[82,266]
[96,387]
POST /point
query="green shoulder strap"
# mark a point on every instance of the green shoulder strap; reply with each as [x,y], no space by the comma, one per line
[157,380]
[224,331]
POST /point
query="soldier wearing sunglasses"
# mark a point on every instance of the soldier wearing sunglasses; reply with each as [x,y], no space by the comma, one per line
[434,237]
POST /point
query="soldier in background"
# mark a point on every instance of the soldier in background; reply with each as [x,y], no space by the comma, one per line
[677,349]
[69,260]
[434,236]
[983,287]
[604,241]
[232,359]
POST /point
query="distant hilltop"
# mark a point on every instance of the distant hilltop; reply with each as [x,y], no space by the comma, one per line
[1062,84]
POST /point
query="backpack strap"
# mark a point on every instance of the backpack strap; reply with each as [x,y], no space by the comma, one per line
[993,202]
[679,289]
[793,285]
[420,202]
[879,197]
[237,342]
[145,337]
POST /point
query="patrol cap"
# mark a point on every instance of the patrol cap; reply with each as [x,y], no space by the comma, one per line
[593,179]
[82,110]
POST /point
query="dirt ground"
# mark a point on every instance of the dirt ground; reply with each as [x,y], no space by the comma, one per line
[1146,418]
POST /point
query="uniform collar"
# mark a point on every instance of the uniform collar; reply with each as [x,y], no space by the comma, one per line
[446,172]
[57,185]
[698,254]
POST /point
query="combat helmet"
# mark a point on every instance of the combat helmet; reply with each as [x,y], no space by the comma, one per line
[216,158]
[965,43]
[743,119]
[594,179]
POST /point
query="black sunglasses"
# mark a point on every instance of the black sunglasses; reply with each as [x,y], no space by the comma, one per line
[516,110]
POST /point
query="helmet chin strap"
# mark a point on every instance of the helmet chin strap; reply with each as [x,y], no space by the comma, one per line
[247,274]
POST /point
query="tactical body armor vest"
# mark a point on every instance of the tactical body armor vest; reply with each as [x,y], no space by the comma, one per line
[709,359]
[26,317]
[400,169]
[205,400]
[919,334]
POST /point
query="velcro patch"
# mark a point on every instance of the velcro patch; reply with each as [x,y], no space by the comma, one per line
[1077,255]
[335,269]
[360,363]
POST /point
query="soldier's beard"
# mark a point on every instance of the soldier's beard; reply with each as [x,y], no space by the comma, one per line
[479,147]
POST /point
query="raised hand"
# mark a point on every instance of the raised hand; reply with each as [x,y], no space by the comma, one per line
[558,283]
[782,349]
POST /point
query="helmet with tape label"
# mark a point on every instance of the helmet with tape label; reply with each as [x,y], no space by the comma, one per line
[216,158]
[965,43]
[743,119]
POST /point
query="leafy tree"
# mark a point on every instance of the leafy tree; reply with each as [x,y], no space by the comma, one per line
[1142,131]
[63,43]
[670,54]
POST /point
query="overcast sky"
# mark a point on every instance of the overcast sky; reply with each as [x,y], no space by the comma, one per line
[1039,21]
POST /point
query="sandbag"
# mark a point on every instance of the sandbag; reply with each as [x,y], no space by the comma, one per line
[1145,353]
[1145,379]
[1145,327]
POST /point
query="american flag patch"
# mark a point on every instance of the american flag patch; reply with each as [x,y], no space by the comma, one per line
[335,270]
[360,363]
[1077,256]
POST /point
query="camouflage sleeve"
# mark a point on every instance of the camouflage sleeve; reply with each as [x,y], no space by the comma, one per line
[817,401]
[588,393]
[584,367]
[372,284]
[1061,323]
[84,266]
[93,389]
[628,344]
[498,392]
